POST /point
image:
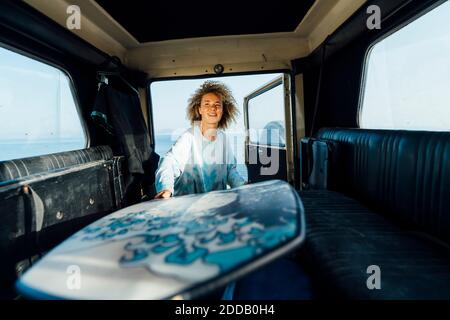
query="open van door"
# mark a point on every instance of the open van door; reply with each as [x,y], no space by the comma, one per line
[268,124]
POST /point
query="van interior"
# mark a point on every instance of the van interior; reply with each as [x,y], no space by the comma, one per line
[363,110]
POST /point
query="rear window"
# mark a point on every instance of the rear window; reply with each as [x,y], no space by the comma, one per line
[169,101]
[38,114]
[407,82]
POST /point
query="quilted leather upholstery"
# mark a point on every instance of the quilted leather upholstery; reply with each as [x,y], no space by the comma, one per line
[404,174]
[390,207]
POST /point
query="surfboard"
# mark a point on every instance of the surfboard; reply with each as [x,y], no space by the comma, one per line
[177,248]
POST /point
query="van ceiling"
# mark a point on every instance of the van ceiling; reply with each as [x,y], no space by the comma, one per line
[242,37]
[150,21]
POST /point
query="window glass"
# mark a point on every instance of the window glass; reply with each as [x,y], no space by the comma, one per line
[407,77]
[38,114]
[266,118]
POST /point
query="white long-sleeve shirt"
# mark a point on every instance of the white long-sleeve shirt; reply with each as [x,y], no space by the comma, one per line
[196,165]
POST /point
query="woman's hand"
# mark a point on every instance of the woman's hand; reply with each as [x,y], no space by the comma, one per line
[165,194]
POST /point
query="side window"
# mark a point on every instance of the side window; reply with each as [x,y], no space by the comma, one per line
[266,114]
[38,114]
[407,77]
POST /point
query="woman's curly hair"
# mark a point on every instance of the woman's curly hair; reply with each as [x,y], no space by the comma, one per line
[230,110]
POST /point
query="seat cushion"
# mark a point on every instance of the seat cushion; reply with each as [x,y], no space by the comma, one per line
[344,238]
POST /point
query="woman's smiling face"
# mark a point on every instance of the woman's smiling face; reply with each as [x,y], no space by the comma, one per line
[211,109]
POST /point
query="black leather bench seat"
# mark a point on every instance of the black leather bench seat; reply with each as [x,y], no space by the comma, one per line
[344,237]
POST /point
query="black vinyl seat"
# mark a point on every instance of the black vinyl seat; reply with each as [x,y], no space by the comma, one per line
[344,238]
[389,206]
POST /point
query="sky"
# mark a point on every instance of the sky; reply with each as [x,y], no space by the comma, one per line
[170,99]
[36,102]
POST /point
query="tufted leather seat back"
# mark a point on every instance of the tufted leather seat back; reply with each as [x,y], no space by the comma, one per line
[405,174]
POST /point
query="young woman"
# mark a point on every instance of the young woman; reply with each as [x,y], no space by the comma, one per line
[202,160]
